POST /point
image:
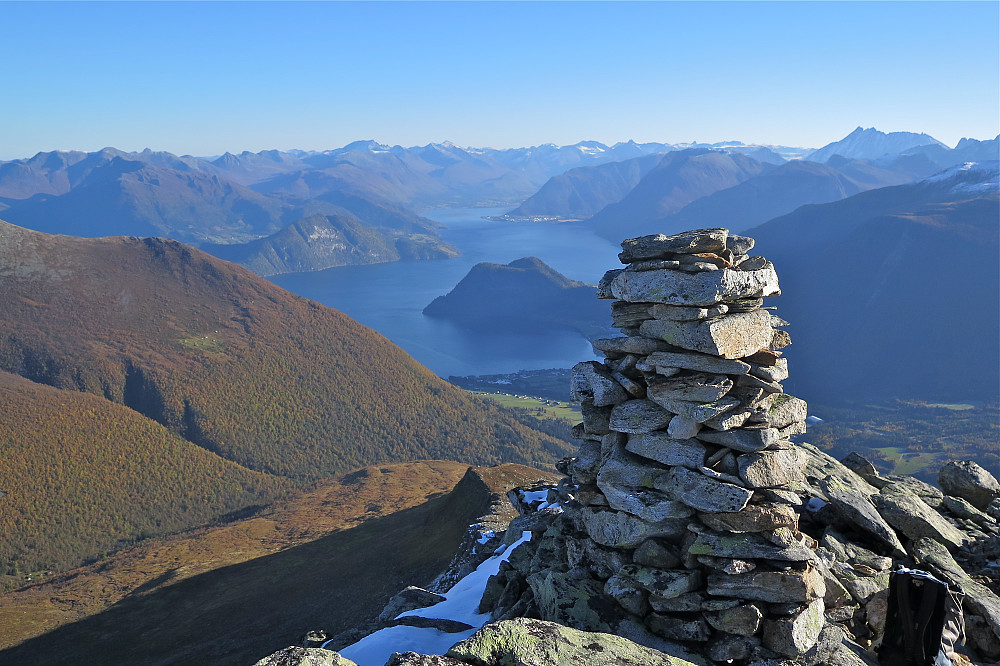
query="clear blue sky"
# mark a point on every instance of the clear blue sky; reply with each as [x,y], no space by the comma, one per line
[203,78]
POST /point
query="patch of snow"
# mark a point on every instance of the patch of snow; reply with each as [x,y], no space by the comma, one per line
[530,496]
[461,604]
[813,419]
[485,536]
[815,504]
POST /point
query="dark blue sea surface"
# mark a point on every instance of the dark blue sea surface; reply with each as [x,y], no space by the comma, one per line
[390,297]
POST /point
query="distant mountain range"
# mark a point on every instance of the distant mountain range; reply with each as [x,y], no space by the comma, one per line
[679,179]
[525,294]
[700,187]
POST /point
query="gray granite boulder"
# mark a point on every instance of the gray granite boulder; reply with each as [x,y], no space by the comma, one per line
[913,518]
[969,481]
[527,642]
[299,656]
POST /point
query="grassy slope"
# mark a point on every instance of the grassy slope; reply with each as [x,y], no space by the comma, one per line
[233,363]
[329,557]
[82,475]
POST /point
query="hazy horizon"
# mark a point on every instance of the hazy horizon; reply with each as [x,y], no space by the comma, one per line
[207,78]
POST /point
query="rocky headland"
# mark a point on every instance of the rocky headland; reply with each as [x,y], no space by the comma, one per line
[689,527]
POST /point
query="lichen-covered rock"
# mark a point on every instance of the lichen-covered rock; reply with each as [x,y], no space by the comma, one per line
[639,416]
[969,481]
[697,362]
[859,510]
[702,493]
[771,469]
[796,635]
[658,246]
[573,602]
[747,546]
[739,620]
[299,656]
[746,440]
[619,529]
[913,518]
[527,642]
[753,518]
[732,336]
[770,586]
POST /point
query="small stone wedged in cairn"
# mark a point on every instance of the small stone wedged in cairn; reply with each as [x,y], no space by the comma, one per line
[685,517]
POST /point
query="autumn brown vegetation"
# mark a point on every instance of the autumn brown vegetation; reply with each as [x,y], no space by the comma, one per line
[213,356]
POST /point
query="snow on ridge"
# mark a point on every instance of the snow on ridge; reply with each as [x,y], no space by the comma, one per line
[461,604]
[970,177]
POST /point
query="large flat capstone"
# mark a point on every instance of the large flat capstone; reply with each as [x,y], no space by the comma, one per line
[694,289]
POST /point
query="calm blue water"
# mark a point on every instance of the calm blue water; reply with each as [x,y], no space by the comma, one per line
[389,297]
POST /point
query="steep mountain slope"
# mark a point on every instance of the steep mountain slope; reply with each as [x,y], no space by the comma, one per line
[762,198]
[872,144]
[892,291]
[524,294]
[680,178]
[231,362]
[328,557]
[80,475]
[582,192]
[318,242]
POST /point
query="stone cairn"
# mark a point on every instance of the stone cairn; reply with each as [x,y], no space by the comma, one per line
[685,438]
[678,487]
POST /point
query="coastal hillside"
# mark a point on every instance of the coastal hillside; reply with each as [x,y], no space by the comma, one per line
[231,362]
[525,294]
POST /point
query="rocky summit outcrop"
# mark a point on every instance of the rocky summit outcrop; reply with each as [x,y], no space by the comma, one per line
[692,525]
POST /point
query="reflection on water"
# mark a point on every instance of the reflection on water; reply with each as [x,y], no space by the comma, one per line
[390,297]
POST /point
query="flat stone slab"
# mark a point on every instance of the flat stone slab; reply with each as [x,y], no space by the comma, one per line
[658,246]
[629,345]
[753,518]
[698,387]
[619,529]
[639,416]
[664,449]
[702,493]
[747,546]
[745,440]
[695,361]
[698,412]
[770,586]
[685,313]
[702,289]
[732,336]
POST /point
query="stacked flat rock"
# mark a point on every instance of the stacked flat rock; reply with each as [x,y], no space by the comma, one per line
[685,464]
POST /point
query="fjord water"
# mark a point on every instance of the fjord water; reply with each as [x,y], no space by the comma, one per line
[390,297]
